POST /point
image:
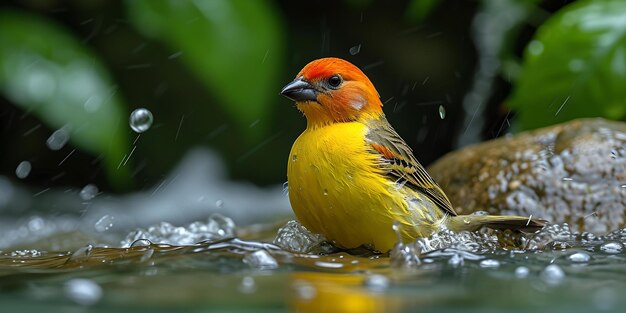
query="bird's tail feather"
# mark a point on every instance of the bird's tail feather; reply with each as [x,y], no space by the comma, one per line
[475,222]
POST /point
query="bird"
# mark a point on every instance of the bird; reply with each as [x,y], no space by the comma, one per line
[353,179]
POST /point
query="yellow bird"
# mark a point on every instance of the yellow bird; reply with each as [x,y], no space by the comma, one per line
[351,176]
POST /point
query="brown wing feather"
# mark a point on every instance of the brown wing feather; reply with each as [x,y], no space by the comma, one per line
[401,165]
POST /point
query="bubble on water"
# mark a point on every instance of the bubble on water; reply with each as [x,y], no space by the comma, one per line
[247,285]
[88,192]
[489,263]
[376,282]
[579,257]
[141,243]
[58,139]
[140,120]
[260,260]
[442,112]
[552,275]
[26,253]
[296,238]
[104,223]
[215,228]
[219,204]
[522,272]
[355,49]
[83,291]
[82,254]
[612,247]
[23,169]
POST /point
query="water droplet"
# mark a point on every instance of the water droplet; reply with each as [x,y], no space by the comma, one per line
[552,275]
[146,255]
[489,263]
[220,203]
[58,139]
[442,112]
[140,120]
[325,192]
[88,192]
[294,157]
[304,290]
[247,285]
[612,247]
[355,50]
[23,169]
[261,260]
[522,272]
[82,254]
[579,257]
[323,264]
[83,291]
[456,260]
[535,47]
[104,223]
[376,282]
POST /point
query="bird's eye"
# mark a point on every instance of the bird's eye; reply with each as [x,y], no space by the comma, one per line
[334,81]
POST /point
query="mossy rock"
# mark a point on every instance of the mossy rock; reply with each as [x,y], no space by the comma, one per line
[573,173]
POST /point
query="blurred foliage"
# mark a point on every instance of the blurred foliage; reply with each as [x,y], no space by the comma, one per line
[234,47]
[210,72]
[575,66]
[51,74]
[418,10]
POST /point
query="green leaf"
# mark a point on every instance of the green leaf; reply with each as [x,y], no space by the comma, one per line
[234,47]
[575,66]
[419,10]
[47,71]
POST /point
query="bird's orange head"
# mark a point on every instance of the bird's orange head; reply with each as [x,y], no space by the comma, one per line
[333,90]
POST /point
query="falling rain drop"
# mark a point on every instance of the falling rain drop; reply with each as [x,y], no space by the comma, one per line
[23,169]
[219,204]
[442,112]
[355,50]
[104,223]
[58,139]
[88,192]
[140,120]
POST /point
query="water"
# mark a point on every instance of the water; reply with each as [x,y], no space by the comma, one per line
[58,139]
[204,265]
[140,120]
[23,169]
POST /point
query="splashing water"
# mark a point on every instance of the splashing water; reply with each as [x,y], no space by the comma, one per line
[215,228]
[140,120]
[296,238]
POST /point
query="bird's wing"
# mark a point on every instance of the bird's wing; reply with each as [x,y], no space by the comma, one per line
[401,165]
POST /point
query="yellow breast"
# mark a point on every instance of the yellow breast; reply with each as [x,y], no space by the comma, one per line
[337,189]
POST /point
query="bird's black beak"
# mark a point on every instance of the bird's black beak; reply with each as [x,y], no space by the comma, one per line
[300,90]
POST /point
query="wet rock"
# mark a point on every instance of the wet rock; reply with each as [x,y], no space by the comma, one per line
[573,172]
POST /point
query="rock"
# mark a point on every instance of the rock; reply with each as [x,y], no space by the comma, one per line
[573,172]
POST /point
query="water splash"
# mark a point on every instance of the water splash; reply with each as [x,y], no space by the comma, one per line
[88,192]
[296,238]
[215,228]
